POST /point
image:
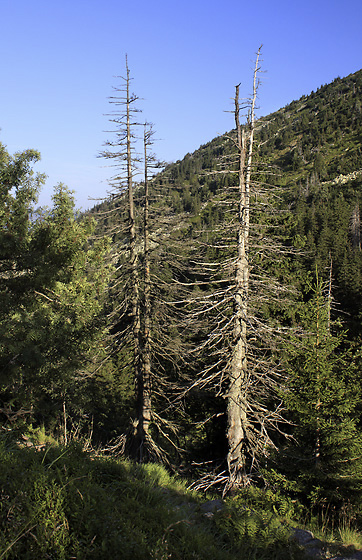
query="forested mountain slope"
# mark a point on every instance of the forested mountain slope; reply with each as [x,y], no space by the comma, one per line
[312,150]
[314,139]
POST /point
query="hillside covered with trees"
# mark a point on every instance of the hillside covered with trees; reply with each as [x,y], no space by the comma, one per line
[206,316]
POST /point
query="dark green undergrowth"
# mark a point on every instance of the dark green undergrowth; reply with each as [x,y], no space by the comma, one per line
[62,503]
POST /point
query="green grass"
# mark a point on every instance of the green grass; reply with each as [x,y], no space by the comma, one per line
[62,503]
[339,531]
[350,537]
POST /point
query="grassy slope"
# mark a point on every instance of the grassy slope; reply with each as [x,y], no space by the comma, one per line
[61,503]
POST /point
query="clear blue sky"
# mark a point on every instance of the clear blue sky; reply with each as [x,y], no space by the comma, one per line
[59,60]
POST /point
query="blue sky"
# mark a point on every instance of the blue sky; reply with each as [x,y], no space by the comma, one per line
[59,61]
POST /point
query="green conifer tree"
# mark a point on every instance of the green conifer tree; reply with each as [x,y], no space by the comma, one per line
[322,396]
[52,280]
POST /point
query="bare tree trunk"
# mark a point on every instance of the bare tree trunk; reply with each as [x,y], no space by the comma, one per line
[319,330]
[65,424]
[317,452]
[355,227]
[132,233]
[237,397]
[145,390]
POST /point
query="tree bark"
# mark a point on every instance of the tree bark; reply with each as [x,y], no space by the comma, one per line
[135,295]
[237,397]
[145,389]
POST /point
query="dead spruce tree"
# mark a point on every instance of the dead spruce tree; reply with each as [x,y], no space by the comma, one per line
[125,315]
[145,390]
[238,356]
[141,323]
[161,346]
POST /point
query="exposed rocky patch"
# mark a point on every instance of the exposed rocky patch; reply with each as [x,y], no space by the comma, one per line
[320,550]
